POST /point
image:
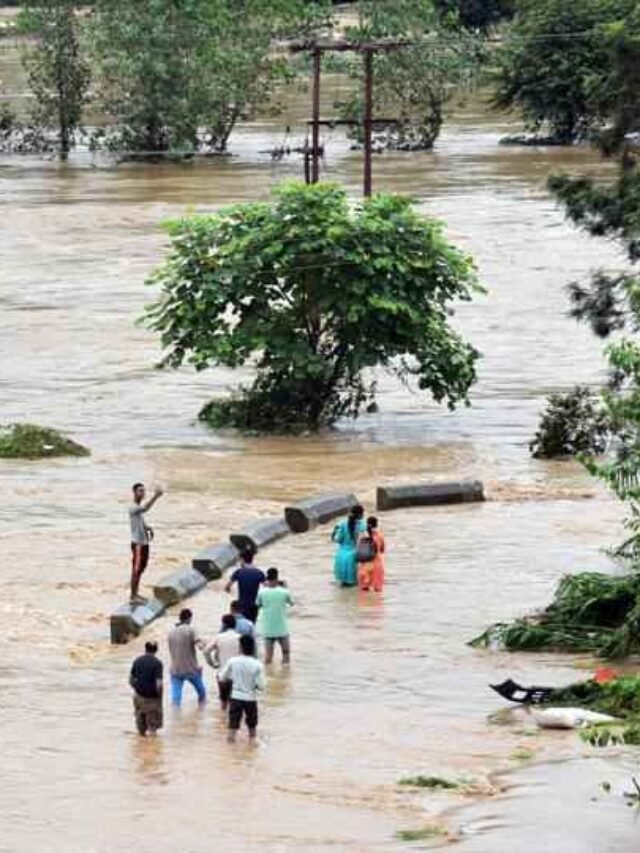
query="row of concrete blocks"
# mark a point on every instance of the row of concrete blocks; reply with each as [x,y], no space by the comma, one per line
[129,620]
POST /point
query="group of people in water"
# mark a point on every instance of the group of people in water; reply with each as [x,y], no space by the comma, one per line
[259,611]
[360,555]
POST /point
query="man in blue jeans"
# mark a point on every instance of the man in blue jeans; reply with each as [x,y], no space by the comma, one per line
[183,641]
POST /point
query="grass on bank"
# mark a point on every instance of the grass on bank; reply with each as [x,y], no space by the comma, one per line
[30,441]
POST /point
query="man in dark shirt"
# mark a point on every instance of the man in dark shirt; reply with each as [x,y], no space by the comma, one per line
[146,680]
[249,579]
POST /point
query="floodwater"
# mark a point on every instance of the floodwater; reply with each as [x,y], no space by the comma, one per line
[381,687]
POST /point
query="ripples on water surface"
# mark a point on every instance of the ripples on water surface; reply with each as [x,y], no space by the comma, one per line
[380,687]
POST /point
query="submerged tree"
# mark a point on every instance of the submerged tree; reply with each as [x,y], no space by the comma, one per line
[58,72]
[553,62]
[413,84]
[313,292]
[180,75]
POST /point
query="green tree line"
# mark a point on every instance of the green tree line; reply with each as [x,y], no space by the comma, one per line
[179,74]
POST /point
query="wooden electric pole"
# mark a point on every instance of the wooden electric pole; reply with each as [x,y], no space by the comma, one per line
[367,49]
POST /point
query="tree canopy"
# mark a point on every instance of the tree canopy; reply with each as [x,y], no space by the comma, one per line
[313,292]
[169,71]
[57,70]
[412,85]
[477,14]
[555,62]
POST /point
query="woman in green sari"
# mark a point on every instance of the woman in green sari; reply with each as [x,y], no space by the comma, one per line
[345,535]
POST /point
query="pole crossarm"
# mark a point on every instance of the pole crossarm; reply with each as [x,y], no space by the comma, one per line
[312,45]
[337,122]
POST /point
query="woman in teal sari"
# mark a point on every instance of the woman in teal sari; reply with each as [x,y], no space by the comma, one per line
[345,535]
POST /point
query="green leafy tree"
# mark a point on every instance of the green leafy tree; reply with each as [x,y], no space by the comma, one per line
[313,293]
[57,70]
[573,423]
[179,74]
[553,61]
[477,14]
[611,301]
[413,84]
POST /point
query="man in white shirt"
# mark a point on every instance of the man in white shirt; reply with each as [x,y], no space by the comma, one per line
[219,652]
[246,674]
[141,535]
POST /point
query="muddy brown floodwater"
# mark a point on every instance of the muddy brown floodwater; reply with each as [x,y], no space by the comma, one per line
[381,687]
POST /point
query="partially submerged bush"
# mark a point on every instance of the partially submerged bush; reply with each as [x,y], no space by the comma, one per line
[591,612]
[432,782]
[573,423]
[619,697]
[29,441]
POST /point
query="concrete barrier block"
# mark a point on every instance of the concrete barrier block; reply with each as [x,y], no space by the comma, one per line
[178,585]
[129,619]
[259,533]
[214,560]
[307,514]
[425,494]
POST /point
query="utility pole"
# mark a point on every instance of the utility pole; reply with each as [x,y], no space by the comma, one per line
[367,49]
[315,118]
[368,121]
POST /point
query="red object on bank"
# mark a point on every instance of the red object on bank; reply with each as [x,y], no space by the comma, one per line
[602,676]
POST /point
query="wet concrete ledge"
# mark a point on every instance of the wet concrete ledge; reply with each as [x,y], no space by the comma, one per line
[128,621]
[212,562]
[257,534]
[305,515]
[179,585]
[429,494]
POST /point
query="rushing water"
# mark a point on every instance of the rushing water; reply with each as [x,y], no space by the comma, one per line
[380,687]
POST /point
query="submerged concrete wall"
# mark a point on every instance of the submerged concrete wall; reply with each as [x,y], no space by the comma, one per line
[429,494]
[307,514]
[257,534]
[129,620]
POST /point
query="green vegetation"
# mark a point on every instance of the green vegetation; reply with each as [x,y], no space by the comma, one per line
[412,85]
[522,754]
[180,79]
[432,782]
[58,74]
[555,64]
[620,698]
[28,441]
[591,612]
[314,292]
[421,834]
[573,423]
[477,14]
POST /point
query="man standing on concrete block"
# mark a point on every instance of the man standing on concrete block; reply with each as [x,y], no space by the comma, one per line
[249,579]
[146,680]
[183,641]
[141,535]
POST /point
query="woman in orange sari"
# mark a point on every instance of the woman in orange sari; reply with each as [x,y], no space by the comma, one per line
[371,572]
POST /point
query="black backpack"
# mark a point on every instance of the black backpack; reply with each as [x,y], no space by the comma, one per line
[367,549]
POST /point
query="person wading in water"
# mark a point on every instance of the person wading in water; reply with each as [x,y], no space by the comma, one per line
[146,680]
[141,536]
[249,579]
